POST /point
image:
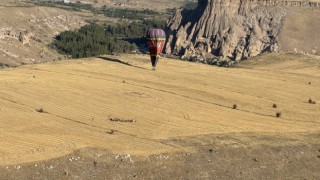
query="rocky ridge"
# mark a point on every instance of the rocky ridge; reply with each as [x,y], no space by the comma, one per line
[231,29]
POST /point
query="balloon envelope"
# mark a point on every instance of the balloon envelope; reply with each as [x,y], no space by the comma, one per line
[156,39]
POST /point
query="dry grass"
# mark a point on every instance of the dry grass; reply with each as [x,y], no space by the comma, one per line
[180,99]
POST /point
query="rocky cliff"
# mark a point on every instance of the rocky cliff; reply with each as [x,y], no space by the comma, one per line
[237,29]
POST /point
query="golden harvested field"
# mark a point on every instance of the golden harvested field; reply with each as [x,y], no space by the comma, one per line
[118,104]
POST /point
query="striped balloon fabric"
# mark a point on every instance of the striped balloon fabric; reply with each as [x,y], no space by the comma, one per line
[156,39]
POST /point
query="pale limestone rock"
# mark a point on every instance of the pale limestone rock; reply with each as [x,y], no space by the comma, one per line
[233,29]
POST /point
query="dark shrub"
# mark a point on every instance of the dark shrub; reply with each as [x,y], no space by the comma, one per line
[234,106]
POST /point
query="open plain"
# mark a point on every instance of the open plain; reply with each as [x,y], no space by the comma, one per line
[113,118]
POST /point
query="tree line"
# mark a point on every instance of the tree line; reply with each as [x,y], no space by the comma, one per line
[95,39]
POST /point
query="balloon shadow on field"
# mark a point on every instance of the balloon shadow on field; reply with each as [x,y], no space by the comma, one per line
[121,62]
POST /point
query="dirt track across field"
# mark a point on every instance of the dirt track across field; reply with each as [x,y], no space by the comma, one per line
[181,117]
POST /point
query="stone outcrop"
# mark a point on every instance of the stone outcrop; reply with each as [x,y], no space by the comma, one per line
[232,29]
[20,35]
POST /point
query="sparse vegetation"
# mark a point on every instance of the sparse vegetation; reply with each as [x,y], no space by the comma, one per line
[310,101]
[66,6]
[274,106]
[2,65]
[128,13]
[111,131]
[132,14]
[121,120]
[162,110]
[40,110]
[234,106]
[278,114]
[216,61]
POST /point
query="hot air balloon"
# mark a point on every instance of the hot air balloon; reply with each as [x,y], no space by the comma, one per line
[156,39]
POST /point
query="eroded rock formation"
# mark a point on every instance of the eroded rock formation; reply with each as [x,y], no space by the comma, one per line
[233,29]
[20,35]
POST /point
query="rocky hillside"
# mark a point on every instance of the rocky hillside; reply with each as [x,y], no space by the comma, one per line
[239,29]
[26,31]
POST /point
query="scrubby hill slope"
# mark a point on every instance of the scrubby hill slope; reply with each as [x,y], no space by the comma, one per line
[26,31]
